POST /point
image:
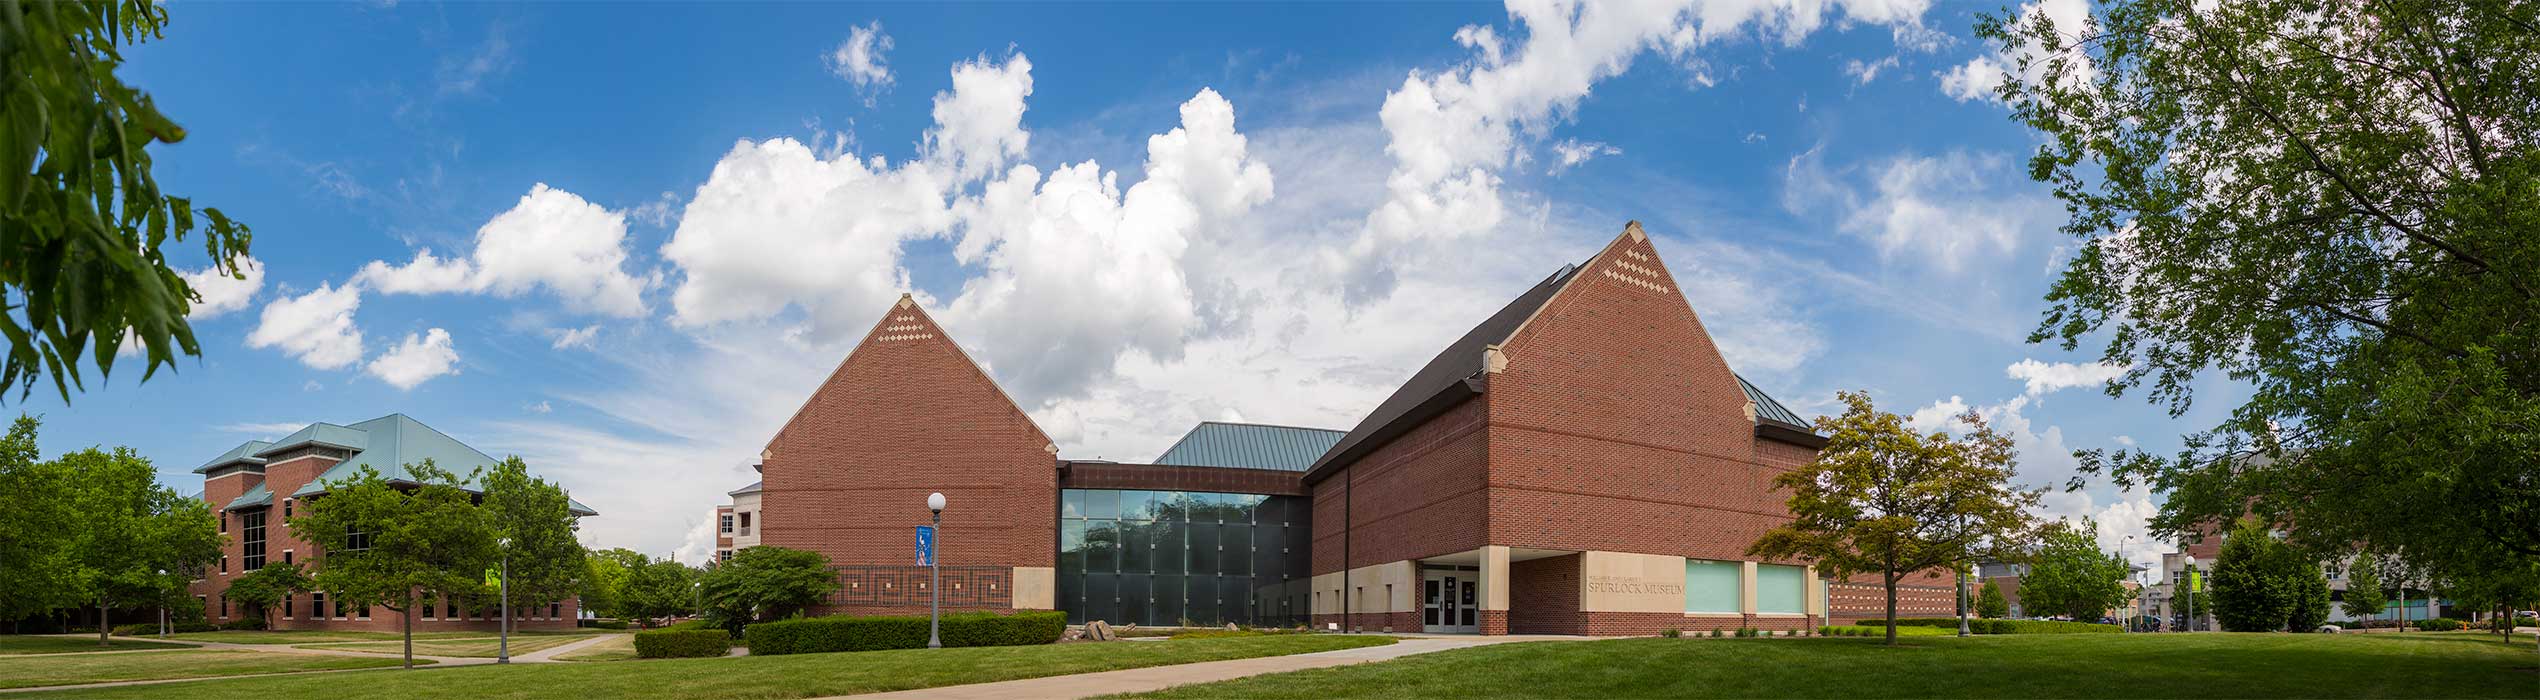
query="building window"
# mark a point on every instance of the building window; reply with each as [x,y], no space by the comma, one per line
[1711,586]
[727,523]
[224,565]
[355,541]
[286,606]
[722,555]
[224,522]
[1163,557]
[1781,589]
[365,611]
[317,605]
[286,507]
[555,611]
[286,556]
[224,606]
[745,524]
[251,529]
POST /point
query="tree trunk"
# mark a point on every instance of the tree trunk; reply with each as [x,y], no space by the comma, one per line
[1891,608]
[101,621]
[409,614]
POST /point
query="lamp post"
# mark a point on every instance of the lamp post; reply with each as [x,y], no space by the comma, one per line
[163,607]
[503,648]
[2191,592]
[935,565]
[2138,591]
[1962,601]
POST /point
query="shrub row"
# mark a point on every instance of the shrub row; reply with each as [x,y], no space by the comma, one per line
[1881,631]
[604,623]
[244,623]
[844,633]
[681,644]
[146,629]
[1983,626]
[2440,624]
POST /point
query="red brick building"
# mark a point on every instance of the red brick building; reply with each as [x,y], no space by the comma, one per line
[1584,461]
[256,487]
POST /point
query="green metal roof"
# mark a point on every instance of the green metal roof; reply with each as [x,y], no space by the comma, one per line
[244,453]
[256,496]
[387,444]
[1768,409]
[1250,446]
[323,434]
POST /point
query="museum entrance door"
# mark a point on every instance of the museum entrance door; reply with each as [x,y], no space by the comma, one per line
[1449,602]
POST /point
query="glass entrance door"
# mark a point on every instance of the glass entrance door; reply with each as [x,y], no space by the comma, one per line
[1447,602]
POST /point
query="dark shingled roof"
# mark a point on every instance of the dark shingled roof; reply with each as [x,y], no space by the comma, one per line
[1446,380]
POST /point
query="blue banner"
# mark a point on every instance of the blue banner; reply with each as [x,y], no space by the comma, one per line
[925,545]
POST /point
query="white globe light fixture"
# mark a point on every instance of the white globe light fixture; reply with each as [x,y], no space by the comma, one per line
[935,567]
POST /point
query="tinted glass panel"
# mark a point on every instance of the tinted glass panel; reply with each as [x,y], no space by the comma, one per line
[1171,547]
[1102,504]
[1164,558]
[1102,546]
[1137,505]
[1072,504]
[1169,600]
[1137,548]
[1234,545]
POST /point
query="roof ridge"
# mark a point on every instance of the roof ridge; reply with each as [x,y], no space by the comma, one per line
[1270,425]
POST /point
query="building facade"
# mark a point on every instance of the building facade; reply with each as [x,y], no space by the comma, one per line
[1583,461]
[257,487]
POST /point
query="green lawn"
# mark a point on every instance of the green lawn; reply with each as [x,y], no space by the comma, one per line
[305,637]
[30,644]
[484,647]
[32,671]
[2011,666]
[791,676]
[619,648]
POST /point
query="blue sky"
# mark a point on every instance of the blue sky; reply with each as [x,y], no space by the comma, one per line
[652,228]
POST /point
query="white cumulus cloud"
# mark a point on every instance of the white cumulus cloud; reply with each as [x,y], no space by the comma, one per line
[222,293]
[316,328]
[1980,76]
[418,359]
[860,60]
[1569,153]
[551,239]
[2050,377]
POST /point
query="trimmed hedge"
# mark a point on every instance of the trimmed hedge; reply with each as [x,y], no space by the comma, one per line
[681,644]
[600,623]
[1983,626]
[847,633]
[2440,624]
[1881,631]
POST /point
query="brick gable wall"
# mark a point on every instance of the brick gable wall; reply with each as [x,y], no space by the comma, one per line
[1420,495]
[908,413]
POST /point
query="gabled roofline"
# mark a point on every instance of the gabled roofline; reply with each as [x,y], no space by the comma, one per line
[908,302]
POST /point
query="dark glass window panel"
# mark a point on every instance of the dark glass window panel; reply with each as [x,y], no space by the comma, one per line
[1134,599]
[1137,505]
[1202,609]
[1071,546]
[1071,595]
[1203,549]
[1268,563]
[1468,617]
[1171,547]
[1102,547]
[1173,506]
[1271,511]
[1071,503]
[1169,593]
[1245,505]
[1234,596]
[1137,548]
[1102,504]
[1234,547]
[1102,597]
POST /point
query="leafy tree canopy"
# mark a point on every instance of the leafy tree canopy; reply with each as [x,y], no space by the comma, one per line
[2331,203]
[604,580]
[536,516]
[385,541]
[35,528]
[1882,498]
[2364,597]
[2261,584]
[264,588]
[82,220]
[2069,576]
[659,589]
[132,540]
[1990,603]
[764,583]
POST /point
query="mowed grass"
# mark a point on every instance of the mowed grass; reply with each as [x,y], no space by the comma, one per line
[483,647]
[618,648]
[789,676]
[29,644]
[2210,665]
[71,669]
[305,637]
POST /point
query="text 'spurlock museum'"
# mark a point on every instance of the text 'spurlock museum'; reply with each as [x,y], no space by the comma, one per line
[1581,462]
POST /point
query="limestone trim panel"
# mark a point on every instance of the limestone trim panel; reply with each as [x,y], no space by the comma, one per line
[1367,589]
[1625,582]
[1494,577]
[1035,588]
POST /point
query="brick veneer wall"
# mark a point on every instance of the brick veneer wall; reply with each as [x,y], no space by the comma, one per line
[908,413]
[1543,596]
[1420,495]
[1617,426]
[1160,477]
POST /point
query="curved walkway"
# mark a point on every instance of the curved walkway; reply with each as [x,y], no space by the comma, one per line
[1139,680]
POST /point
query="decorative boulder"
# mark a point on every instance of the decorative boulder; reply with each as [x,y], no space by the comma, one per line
[1099,631]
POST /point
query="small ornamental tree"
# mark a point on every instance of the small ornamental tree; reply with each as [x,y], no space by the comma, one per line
[1882,498]
[2364,597]
[262,589]
[1990,603]
[129,529]
[2310,598]
[535,514]
[764,583]
[2070,576]
[659,589]
[386,542]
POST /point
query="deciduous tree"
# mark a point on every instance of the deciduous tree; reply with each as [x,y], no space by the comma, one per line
[1883,498]
[387,543]
[129,529]
[605,580]
[660,589]
[537,517]
[82,221]
[2331,203]
[1990,603]
[764,583]
[36,528]
[262,589]
[2364,597]
[2069,576]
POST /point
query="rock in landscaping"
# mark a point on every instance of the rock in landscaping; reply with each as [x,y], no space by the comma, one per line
[1099,631]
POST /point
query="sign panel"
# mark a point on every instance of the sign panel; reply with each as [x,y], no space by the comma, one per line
[925,545]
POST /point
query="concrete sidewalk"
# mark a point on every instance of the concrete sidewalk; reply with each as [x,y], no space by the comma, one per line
[1139,680]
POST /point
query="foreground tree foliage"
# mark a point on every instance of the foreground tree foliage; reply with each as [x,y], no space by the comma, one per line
[537,516]
[2261,584]
[2069,576]
[264,588]
[1990,603]
[1882,498]
[604,578]
[35,528]
[2364,597]
[82,220]
[659,589]
[763,583]
[388,543]
[133,541]
[2331,202]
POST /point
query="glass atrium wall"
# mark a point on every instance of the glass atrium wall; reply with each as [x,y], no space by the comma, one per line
[1176,557]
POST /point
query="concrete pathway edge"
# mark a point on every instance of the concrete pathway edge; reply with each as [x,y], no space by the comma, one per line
[1139,680]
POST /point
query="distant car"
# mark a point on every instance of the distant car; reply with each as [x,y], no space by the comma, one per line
[2331,629]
